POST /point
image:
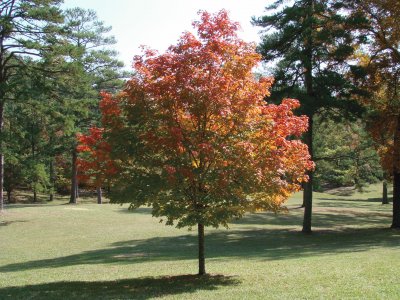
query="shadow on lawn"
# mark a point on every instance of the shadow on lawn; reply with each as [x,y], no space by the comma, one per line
[137,288]
[6,223]
[271,244]
[323,217]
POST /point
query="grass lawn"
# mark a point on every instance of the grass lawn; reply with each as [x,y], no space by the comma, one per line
[59,251]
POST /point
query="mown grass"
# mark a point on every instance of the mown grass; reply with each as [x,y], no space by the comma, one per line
[89,251]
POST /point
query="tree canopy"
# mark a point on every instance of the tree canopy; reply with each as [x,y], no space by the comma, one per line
[194,138]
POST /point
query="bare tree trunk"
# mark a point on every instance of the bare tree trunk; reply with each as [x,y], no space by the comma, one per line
[308,81]
[1,158]
[73,177]
[396,177]
[385,199]
[52,179]
[202,264]
[77,186]
[308,192]
[34,195]
[99,195]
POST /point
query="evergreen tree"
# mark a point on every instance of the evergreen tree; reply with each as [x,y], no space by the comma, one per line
[27,29]
[310,40]
[94,68]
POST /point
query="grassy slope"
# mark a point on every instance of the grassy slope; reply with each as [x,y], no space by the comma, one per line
[103,251]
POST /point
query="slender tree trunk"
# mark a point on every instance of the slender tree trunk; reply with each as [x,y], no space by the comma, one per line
[52,179]
[34,195]
[99,195]
[385,199]
[202,263]
[1,157]
[396,177]
[9,196]
[308,81]
[308,186]
[77,186]
[74,176]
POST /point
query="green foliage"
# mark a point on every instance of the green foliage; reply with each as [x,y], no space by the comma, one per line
[310,38]
[37,176]
[345,155]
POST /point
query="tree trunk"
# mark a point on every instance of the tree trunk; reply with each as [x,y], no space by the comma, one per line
[99,195]
[308,186]
[308,82]
[385,199]
[202,263]
[74,175]
[77,186]
[52,179]
[1,157]
[34,195]
[9,196]
[396,177]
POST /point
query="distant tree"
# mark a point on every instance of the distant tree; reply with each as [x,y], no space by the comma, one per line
[310,40]
[27,29]
[95,164]
[345,155]
[194,138]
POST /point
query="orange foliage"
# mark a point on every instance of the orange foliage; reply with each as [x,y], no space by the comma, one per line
[198,119]
[95,165]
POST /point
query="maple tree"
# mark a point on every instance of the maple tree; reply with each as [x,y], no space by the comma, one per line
[194,138]
[95,164]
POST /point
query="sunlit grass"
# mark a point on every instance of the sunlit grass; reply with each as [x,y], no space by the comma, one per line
[60,251]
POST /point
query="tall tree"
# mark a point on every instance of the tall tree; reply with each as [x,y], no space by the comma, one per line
[25,27]
[309,40]
[95,67]
[378,76]
[194,137]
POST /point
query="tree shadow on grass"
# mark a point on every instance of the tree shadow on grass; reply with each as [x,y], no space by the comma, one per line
[262,244]
[323,217]
[140,210]
[355,201]
[136,288]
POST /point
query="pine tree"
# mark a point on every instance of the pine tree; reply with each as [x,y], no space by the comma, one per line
[94,68]
[27,29]
[310,40]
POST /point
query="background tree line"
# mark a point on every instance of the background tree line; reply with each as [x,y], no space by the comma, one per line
[339,58]
[53,64]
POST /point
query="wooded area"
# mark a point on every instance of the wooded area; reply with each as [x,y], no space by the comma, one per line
[201,134]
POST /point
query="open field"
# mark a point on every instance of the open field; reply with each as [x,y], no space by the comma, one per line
[58,251]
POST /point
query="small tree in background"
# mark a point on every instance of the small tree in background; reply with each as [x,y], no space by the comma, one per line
[95,165]
[195,139]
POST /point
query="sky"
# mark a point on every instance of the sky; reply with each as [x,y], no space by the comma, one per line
[159,23]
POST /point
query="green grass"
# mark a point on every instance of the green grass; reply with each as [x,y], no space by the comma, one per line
[58,251]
